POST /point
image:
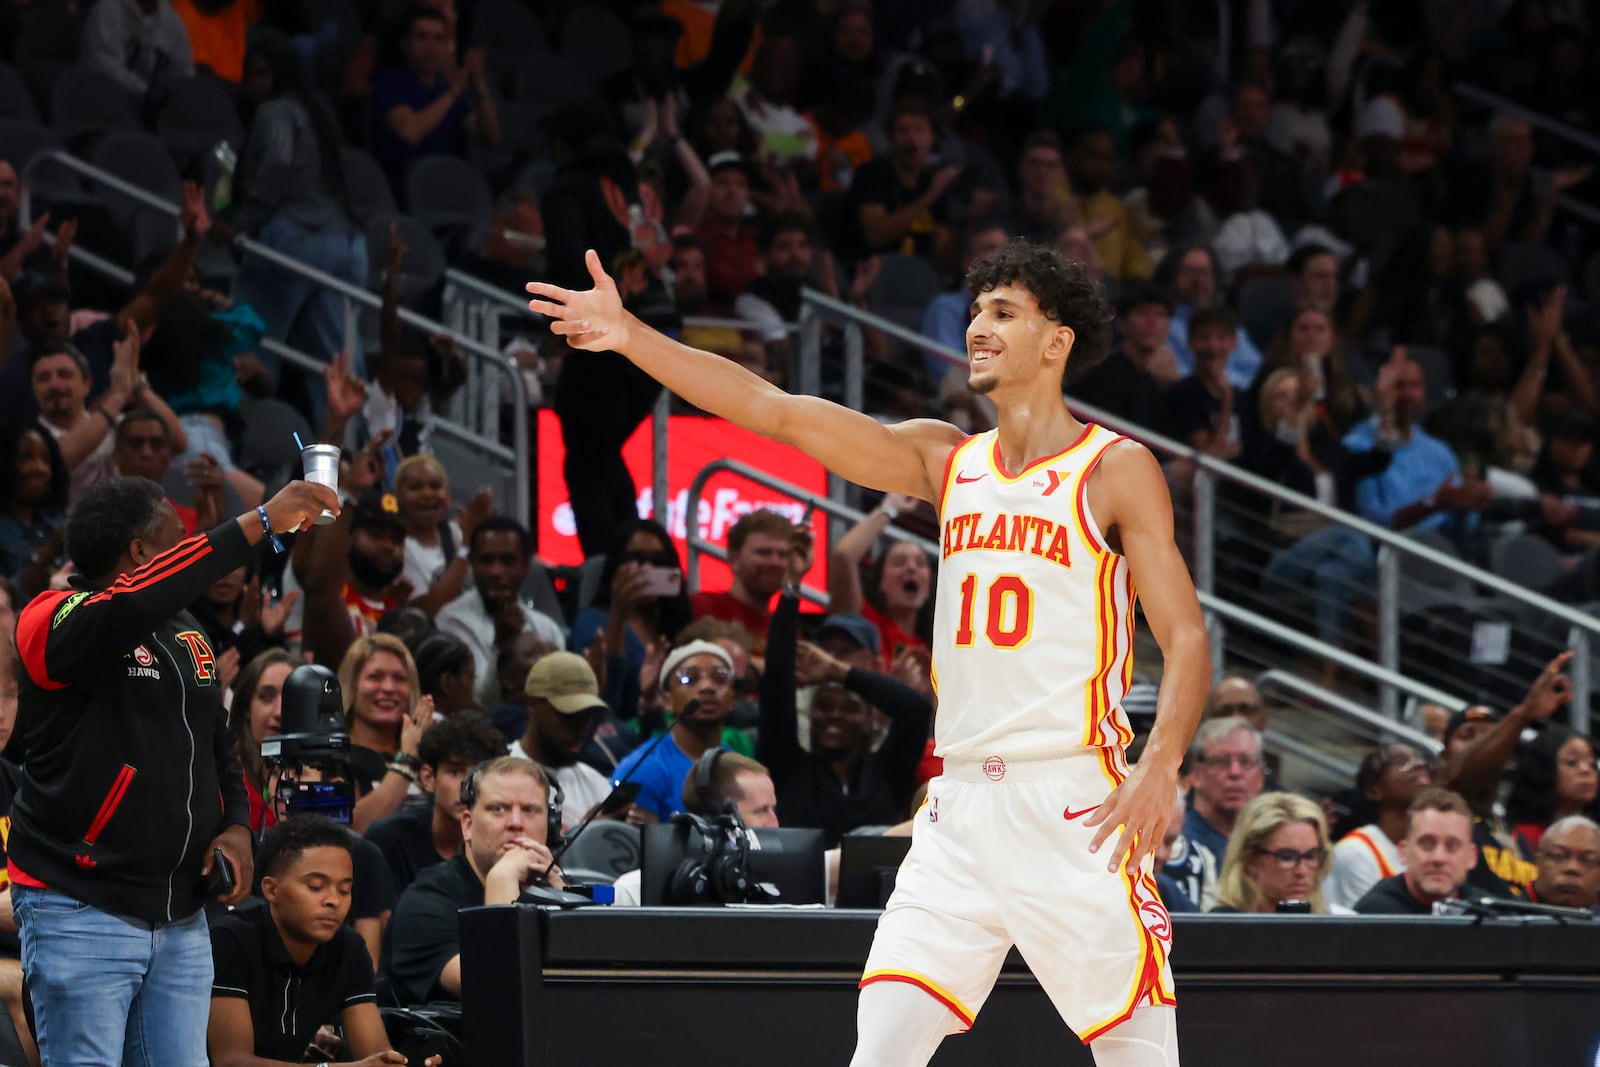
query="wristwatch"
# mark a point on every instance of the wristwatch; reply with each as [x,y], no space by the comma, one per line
[407,760]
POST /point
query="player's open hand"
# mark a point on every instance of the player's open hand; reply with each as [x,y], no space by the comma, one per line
[1141,806]
[592,320]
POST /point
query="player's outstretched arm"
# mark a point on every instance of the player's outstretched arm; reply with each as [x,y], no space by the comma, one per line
[905,458]
[1140,509]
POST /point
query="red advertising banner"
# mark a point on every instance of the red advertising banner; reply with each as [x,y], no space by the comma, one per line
[693,442]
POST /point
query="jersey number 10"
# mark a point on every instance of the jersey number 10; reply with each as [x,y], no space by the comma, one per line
[1008,620]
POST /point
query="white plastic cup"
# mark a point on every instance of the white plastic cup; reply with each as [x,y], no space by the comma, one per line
[322,468]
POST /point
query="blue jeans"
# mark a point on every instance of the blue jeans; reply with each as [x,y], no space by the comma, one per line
[296,310]
[1333,567]
[108,990]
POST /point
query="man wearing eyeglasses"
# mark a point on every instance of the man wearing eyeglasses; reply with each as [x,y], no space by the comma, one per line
[1569,864]
[1438,853]
[697,694]
[1389,779]
[1228,775]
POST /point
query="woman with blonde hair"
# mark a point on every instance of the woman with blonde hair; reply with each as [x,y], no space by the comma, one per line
[1278,852]
[1310,345]
[385,714]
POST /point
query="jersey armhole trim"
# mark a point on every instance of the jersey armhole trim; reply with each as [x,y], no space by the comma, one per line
[1086,524]
[949,472]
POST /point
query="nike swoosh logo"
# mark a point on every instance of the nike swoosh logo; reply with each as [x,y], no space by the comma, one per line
[1070,815]
[962,479]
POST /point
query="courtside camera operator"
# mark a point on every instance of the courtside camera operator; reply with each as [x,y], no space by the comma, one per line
[286,970]
[309,766]
[506,829]
[132,794]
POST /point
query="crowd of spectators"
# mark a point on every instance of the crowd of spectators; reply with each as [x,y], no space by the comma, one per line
[1328,268]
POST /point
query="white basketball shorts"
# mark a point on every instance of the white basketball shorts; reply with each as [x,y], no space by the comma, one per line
[1000,856]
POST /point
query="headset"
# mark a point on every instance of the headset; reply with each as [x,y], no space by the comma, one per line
[718,871]
[705,793]
[553,798]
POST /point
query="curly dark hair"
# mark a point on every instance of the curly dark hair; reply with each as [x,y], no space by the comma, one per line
[469,737]
[1067,292]
[110,516]
[288,840]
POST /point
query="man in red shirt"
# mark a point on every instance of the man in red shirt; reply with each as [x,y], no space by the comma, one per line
[733,252]
[759,554]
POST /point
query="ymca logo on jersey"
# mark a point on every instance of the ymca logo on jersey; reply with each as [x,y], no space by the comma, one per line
[1052,481]
[143,665]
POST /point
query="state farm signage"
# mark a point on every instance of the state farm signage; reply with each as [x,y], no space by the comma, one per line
[693,442]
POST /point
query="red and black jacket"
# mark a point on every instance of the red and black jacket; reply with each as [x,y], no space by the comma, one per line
[130,770]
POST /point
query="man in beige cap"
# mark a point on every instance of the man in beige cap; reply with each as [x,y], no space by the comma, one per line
[562,694]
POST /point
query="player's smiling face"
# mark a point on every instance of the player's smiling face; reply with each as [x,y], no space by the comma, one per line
[1006,338]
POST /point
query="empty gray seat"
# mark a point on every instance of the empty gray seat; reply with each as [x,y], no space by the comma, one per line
[197,117]
[1520,266]
[1425,584]
[452,198]
[1530,561]
[366,185]
[86,103]
[140,159]
[15,100]
[598,40]
[50,184]
[508,32]
[1265,304]
[266,446]
[610,848]
[904,287]
[544,83]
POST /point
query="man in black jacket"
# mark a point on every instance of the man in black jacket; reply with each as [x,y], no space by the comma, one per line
[131,785]
[839,784]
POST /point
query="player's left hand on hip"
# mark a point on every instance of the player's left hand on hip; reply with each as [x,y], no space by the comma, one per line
[1140,807]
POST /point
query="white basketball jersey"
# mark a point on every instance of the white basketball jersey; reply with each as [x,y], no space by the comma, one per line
[1033,624]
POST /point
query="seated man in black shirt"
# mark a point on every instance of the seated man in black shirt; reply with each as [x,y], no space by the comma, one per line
[1438,851]
[421,835]
[1131,381]
[285,970]
[840,783]
[504,829]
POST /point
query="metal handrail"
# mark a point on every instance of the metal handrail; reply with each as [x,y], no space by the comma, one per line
[1568,133]
[1290,636]
[510,302]
[1240,476]
[1271,679]
[1341,769]
[483,353]
[1510,107]
[698,545]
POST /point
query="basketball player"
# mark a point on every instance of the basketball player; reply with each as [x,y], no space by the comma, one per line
[1049,527]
